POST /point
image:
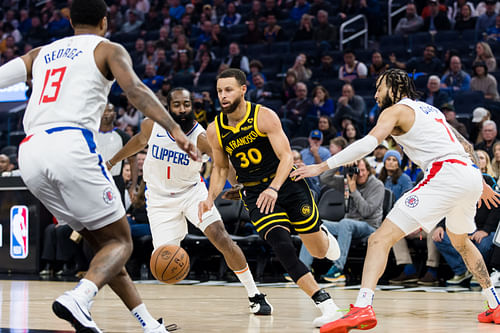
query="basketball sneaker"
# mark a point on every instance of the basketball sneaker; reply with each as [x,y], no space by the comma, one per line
[259,305]
[75,312]
[333,252]
[490,315]
[334,275]
[160,329]
[329,313]
[495,278]
[356,318]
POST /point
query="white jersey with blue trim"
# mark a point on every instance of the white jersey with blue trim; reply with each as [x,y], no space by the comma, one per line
[167,168]
[430,138]
[68,87]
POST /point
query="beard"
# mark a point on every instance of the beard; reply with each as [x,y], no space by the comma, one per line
[185,121]
[386,102]
[232,107]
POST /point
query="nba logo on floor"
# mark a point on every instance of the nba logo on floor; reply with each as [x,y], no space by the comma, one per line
[19,232]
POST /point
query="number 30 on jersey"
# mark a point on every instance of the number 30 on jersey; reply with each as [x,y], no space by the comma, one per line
[253,155]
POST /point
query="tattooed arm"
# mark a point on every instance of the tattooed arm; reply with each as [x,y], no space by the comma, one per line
[469,149]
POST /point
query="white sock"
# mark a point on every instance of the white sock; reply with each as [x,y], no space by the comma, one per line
[143,316]
[365,298]
[246,278]
[492,297]
[85,290]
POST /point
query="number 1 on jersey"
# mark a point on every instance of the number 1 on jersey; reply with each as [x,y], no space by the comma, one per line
[447,129]
[55,77]
[168,172]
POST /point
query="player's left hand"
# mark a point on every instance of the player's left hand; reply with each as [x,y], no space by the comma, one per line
[308,171]
[233,193]
[488,197]
[267,200]
[185,144]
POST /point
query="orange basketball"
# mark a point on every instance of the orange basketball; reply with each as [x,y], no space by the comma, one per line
[169,264]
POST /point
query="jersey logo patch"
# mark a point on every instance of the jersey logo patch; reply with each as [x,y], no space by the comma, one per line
[108,195]
[160,136]
[246,128]
[224,135]
[305,210]
[411,201]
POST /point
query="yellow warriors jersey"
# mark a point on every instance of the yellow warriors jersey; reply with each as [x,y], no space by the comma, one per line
[249,150]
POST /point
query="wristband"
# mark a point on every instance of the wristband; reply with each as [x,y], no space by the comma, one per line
[274,189]
[109,164]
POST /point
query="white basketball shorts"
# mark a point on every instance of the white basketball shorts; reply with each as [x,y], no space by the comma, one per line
[167,214]
[62,168]
[450,189]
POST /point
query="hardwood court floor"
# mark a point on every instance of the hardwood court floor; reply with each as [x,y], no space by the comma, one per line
[26,305]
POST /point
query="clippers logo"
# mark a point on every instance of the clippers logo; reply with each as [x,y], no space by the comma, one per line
[108,195]
[411,201]
[19,232]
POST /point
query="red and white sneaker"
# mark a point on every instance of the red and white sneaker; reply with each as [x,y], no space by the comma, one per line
[490,315]
[356,318]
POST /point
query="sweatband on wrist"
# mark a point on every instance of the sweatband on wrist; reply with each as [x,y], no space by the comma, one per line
[273,188]
[353,152]
[13,72]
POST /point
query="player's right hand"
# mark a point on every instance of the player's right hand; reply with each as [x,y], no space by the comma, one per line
[185,144]
[307,171]
[203,207]
[488,197]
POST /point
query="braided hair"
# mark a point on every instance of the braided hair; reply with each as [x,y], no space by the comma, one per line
[400,83]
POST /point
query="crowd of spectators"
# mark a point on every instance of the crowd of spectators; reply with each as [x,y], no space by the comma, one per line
[290,51]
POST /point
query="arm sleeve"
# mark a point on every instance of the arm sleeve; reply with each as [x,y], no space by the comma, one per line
[354,152]
[13,72]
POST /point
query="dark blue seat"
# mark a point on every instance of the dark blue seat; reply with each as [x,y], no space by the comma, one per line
[419,40]
[364,86]
[279,48]
[466,101]
[256,51]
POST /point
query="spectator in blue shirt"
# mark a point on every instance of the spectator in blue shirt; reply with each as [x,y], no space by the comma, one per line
[301,7]
[315,153]
[392,175]
[493,33]
[153,81]
[487,20]
[231,17]
[456,80]
[176,10]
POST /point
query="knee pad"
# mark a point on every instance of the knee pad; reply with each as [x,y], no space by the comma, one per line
[282,245]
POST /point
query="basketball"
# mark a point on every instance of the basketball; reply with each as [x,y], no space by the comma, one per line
[169,264]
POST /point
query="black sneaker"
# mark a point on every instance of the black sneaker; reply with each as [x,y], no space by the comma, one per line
[260,306]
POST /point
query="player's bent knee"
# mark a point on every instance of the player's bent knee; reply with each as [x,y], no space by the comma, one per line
[282,245]
[218,235]
[376,239]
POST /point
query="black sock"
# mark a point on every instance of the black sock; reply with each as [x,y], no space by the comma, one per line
[320,296]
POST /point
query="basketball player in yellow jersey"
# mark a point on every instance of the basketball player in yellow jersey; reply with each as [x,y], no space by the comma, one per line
[251,137]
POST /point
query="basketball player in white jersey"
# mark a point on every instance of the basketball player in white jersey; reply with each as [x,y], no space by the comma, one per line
[174,187]
[60,164]
[451,187]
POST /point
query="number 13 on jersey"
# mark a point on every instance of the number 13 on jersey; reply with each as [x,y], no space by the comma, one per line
[52,81]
